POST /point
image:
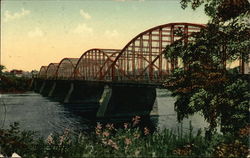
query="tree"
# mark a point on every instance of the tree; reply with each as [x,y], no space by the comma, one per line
[2,67]
[204,84]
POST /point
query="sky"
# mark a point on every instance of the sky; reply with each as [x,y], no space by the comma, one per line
[38,32]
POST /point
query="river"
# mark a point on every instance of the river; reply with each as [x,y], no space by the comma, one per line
[35,112]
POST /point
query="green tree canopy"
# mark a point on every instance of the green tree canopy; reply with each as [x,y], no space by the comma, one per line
[204,84]
[2,67]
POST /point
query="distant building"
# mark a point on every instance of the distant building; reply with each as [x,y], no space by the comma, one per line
[17,73]
[21,73]
[34,73]
[27,74]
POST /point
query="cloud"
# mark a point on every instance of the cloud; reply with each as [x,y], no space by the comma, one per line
[37,32]
[84,14]
[112,33]
[8,16]
[82,28]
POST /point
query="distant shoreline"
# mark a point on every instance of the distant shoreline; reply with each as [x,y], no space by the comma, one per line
[13,91]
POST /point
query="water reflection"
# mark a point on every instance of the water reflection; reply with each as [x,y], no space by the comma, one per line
[44,115]
[87,115]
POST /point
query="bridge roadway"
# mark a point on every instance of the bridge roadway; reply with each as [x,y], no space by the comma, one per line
[113,82]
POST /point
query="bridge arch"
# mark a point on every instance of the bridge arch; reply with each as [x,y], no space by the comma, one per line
[43,71]
[51,70]
[142,59]
[66,68]
[89,64]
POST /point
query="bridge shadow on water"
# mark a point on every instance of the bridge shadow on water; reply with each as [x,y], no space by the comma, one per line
[87,115]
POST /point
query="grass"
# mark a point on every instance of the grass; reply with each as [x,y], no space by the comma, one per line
[128,141]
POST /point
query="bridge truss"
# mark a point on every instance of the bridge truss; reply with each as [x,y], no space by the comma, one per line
[141,60]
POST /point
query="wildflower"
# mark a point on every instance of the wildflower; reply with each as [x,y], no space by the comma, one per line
[146,131]
[137,152]
[136,120]
[97,132]
[113,144]
[98,129]
[105,134]
[125,125]
[50,139]
[99,126]
[61,140]
[110,142]
[153,154]
[104,141]
[127,141]
[66,131]
[243,132]
[110,126]
[136,135]
[235,149]
[184,151]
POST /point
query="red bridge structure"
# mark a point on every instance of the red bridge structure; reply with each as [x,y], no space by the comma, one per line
[115,82]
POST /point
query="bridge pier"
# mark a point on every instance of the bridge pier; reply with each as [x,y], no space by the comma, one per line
[85,97]
[37,84]
[52,89]
[59,89]
[121,101]
[69,93]
[93,98]
[84,93]
[46,87]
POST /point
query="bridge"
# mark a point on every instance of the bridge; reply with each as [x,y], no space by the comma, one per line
[116,82]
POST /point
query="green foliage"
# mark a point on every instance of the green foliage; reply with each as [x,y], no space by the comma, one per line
[213,45]
[2,67]
[234,113]
[204,84]
[13,140]
[130,141]
[220,9]
[209,6]
[11,83]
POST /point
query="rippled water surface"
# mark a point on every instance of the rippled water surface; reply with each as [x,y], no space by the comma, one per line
[41,114]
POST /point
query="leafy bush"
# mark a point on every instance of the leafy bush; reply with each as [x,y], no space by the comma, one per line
[129,141]
[11,83]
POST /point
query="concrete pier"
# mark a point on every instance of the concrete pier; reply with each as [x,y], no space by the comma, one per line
[37,84]
[113,100]
[46,87]
[59,90]
[79,92]
[120,101]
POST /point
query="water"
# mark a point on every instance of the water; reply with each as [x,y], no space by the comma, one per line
[41,114]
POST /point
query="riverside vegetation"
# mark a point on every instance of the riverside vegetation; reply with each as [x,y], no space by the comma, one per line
[126,141]
[10,83]
[13,84]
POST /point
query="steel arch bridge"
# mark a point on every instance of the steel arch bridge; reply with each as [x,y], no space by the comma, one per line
[141,60]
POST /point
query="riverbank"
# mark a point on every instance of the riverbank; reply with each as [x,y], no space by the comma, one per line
[128,141]
[13,84]
[13,91]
